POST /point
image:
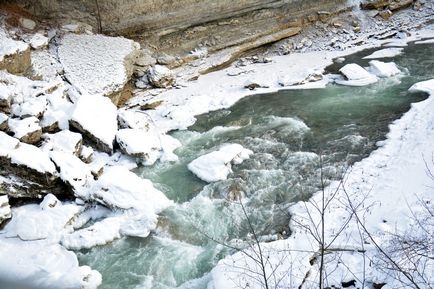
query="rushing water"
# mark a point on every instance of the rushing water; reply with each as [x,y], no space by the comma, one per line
[289,132]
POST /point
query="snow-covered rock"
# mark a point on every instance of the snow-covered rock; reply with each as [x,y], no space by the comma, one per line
[10,46]
[5,98]
[161,76]
[38,41]
[3,121]
[26,130]
[34,106]
[382,69]
[44,65]
[96,117]
[133,119]
[72,170]
[356,76]
[119,188]
[140,143]
[33,158]
[43,266]
[65,141]
[97,64]
[86,154]
[216,166]
[100,233]
[385,53]
[5,209]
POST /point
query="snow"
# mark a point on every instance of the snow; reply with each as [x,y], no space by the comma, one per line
[96,64]
[356,76]
[391,177]
[7,143]
[385,53]
[122,189]
[139,142]
[42,266]
[382,69]
[97,116]
[100,233]
[38,41]
[32,157]
[45,65]
[23,127]
[71,169]
[9,46]
[64,141]
[216,166]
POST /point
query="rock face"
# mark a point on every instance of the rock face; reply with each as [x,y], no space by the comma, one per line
[186,24]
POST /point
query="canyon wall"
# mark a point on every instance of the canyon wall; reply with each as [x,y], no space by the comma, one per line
[185,24]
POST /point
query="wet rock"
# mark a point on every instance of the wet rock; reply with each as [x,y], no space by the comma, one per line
[161,76]
[26,130]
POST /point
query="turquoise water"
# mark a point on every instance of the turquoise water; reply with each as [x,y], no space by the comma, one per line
[288,132]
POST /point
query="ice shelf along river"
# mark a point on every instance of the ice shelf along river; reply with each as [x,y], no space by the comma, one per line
[288,131]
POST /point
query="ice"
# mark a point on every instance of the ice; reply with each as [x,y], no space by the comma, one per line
[216,166]
[385,53]
[382,69]
[96,116]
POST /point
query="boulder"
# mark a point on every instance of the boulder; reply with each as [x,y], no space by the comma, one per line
[5,209]
[64,141]
[26,130]
[95,116]
[38,41]
[97,64]
[217,165]
[14,54]
[382,69]
[144,144]
[160,76]
[3,121]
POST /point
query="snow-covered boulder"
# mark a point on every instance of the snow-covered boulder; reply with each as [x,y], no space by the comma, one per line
[98,64]
[382,69]
[5,209]
[161,76]
[217,165]
[96,117]
[73,171]
[30,264]
[139,143]
[26,130]
[3,121]
[65,141]
[385,53]
[356,76]
[32,106]
[5,98]
[122,189]
[14,54]
[38,41]
[133,119]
